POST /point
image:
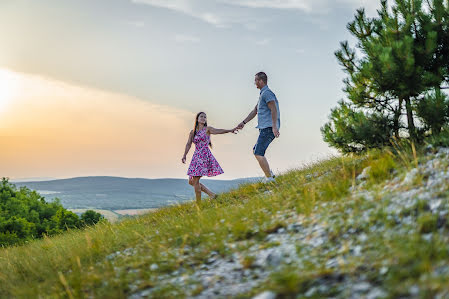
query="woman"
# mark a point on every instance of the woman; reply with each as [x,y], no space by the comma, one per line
[203,162]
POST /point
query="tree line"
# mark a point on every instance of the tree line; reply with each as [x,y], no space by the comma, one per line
[26,215]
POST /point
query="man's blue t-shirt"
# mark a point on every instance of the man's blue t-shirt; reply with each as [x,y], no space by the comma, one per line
[263,112]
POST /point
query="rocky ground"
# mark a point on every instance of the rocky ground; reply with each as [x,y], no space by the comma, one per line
[335,235]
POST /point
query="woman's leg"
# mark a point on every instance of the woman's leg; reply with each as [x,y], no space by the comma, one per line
[203,189]
[197,186]
[207,191]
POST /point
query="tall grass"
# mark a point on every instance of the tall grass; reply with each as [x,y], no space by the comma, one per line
[77,264]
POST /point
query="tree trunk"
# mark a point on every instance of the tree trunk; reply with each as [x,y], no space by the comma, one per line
[410,122]
[397,115]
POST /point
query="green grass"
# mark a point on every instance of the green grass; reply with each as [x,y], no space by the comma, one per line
[75,264]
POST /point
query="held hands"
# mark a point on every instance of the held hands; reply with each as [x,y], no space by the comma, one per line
[241,125]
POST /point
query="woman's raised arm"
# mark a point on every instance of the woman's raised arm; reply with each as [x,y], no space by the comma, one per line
[214,131]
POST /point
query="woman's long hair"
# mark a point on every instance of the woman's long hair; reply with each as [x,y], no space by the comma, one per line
[196,126]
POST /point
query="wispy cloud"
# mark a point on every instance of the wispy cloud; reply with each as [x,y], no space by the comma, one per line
[225,13]
[186,7]
[186,38]
[303,5]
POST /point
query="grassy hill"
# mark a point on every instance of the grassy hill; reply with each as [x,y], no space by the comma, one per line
[373,226]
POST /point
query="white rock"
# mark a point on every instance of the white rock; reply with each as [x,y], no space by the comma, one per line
[414,290]
[265,295]
[357,250]
[410,176]
[376,293]
[365,174]
[310,292]
[435,204]
[361,287]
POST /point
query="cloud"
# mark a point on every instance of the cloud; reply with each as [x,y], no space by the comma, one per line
[306,6]
[186,38]
[303,5]
[189,8]
[226,13]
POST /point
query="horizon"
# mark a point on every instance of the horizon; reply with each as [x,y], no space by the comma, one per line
[96,93]
[44,179]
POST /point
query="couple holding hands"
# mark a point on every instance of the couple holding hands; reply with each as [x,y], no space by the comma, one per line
[204,163]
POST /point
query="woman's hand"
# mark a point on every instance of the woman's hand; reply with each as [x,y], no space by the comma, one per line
[235,130]
[183,160]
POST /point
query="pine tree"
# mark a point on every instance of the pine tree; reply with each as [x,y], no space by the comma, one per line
[400,55]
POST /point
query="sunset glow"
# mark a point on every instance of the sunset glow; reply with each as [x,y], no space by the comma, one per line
[9,85]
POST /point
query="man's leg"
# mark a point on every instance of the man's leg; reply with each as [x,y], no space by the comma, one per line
[266,136]
[263,162]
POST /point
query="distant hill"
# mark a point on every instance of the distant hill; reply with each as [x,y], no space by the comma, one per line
[104,192]
[34,179]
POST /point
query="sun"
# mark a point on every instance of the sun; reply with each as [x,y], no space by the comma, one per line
[8,88]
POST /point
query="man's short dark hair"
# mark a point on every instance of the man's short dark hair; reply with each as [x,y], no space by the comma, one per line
[262,76]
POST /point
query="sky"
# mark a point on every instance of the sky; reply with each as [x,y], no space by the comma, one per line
[111,87]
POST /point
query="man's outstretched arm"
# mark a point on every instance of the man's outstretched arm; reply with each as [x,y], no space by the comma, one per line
[250,116]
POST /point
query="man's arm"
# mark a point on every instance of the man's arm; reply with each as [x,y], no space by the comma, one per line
[250,116]
[274,117]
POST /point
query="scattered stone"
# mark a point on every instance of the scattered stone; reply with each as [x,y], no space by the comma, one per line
[414,290]
[410,176]
[365,174]
[361,287]
[310,292]
[383,270]
[376,293]
[265,295]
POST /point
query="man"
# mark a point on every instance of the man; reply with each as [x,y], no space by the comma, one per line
[268,118]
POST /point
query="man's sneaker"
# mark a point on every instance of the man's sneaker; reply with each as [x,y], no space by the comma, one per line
[271,179]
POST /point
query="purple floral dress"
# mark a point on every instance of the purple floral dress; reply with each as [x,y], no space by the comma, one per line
[203,162]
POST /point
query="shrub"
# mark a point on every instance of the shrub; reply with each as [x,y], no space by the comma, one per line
[25,215]
[91,217]
[433,110]
[350,130]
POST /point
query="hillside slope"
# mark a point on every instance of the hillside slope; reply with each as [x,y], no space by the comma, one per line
[355,227]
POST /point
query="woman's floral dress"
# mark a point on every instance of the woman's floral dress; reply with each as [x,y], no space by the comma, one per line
[203,162]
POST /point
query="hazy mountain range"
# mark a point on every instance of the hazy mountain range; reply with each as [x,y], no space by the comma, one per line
[103,192]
